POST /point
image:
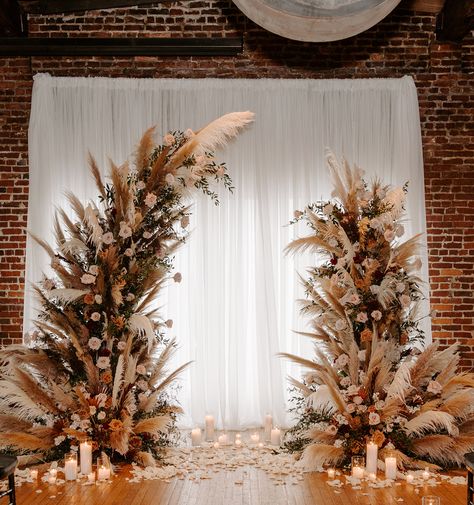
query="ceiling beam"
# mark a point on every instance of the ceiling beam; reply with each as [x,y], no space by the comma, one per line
[63,6]
[432,6]
[456,20]
[81,46]
[12,20]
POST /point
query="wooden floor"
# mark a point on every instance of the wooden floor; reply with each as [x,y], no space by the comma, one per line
[243,486]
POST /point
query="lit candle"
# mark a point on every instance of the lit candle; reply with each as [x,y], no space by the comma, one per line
[255,438]
[238,436]
[357,465]
[52,476]
[431,500]
[260,445]
[391,467]
[216,445]
[91,477]
[196,436]
[103,473]
[268,426]
[238,442]
[85,450]
[371,461]
[70,466]
[373,476]
[53,472]
[426,474]
[209,420]
[410,478]
[223,439]
[275,438]
[34,474]
[331,473]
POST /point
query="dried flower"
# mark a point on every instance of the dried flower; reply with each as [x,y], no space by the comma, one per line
[341,325]
[177,277]
[362,317]
[94,343]
[94,270]
[108,238]
[128,252]
[354,299]
[168,139]
[366,336]
[101,415]
[374,418]
[150,200]
[434,387]
[115,425]
[125,230]
[89,299]
[103,362]
[169,323]
[95,316]
[141,185]
[405,301]
[331,429]
[147,235]
[400,287]
[141,370]
[98,299]
[376,315]
[106,377]
[169,178]
[389,235]
[342,361]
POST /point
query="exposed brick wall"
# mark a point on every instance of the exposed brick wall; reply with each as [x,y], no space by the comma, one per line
[404,43]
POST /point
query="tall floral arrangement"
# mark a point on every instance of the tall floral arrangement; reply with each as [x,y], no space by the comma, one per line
[368,379]
[98,363]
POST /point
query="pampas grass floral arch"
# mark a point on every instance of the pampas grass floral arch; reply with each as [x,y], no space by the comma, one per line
[97,366]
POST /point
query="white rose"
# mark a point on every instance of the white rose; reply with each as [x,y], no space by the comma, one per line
[95,316]
[376,315]
[345,382]
[92,410]
[98,299]
[147,235]
[342,361]
[94,343]
[362,317]
[107,238]
[94,270]
[60,439]
[125,230]
[130,297]
[141,370]
[379,405]
[169,178]
[297,214]
[150,200]
[103,362]
[101,415]
[357,400]
[121,345]
[351,408]
[352,389]
[374,418]
[141,185]
[354,299]
[88,279]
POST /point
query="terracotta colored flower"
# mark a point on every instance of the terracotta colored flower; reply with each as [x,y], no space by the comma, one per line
[119,322]
[106,377]
[89,299]
[378,438]
[366,335]
[115,425]
[135,442]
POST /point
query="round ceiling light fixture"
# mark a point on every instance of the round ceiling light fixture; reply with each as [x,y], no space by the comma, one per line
[316,20]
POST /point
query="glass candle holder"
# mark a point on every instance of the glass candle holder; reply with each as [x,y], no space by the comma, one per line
[431,500]
[357,466]
[103,469]
[70,466]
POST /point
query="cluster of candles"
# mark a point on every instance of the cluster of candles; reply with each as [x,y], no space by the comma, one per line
[271,434]
[360,467]
[71,466]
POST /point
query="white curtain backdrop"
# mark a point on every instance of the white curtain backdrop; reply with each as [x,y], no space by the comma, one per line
[235,308]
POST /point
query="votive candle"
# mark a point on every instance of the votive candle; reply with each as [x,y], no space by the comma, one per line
[91,477]
[410,478]
[34,474]
[216,445]
[255,438]
[431,500]
[358,467]
[223,439]
[260,445]
[426,474]
[331,473]
[103,473]
[372,456]
[70,466]
[238,442]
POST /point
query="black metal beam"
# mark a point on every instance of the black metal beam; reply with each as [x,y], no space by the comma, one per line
[12,20]
[78,46]
[62,6]
[455,21]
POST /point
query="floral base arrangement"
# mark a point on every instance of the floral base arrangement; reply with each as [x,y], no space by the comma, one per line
[97,366]
[370,378]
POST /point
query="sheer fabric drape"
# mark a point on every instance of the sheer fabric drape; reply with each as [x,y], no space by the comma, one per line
[235,308]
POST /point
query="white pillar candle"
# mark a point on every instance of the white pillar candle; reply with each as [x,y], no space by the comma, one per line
[371,458]
[34,474]
[103,473]
[358,472]
[196,436]
[255,438]
[85,450]
[331,473]
[275,438]
[268,426]
[223,439]
[391,467]
[410,478]
[209,420]
[70,469]
[91,477]
[426,474]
